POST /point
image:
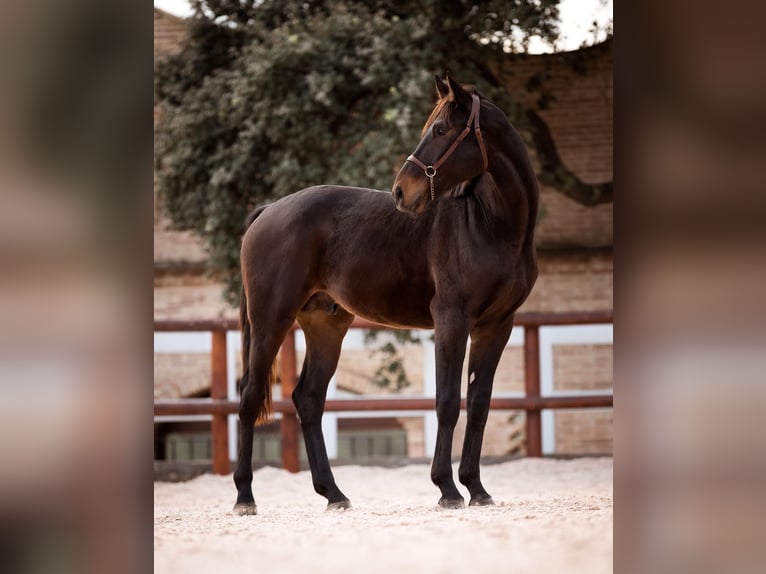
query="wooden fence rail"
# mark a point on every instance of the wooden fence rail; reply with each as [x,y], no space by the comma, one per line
[220,407]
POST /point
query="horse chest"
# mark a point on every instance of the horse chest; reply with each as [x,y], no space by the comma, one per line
[481,280]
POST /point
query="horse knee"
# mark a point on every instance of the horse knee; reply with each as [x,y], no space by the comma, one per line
[307,406]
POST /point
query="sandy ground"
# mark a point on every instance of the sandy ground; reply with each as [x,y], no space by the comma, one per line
[551,516]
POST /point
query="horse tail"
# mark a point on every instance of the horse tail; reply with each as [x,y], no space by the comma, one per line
[262,389]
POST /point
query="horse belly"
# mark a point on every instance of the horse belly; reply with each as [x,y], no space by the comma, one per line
[398,304]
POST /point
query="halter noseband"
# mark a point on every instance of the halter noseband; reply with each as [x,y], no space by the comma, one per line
[473,119]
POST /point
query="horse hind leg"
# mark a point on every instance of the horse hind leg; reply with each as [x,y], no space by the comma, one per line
[324,324]
[254,391]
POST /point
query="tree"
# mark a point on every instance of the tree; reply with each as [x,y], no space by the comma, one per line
[271,96]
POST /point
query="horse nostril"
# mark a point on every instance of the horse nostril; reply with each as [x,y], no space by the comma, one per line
[398,193]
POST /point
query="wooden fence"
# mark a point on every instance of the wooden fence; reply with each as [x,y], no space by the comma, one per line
[220,407]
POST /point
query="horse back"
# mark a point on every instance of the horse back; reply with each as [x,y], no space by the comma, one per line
[349,242]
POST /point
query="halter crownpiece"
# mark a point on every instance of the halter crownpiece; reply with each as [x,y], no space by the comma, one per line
[473,120]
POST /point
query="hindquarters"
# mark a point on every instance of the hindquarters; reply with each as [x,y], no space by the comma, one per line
[260,389]
[280,261]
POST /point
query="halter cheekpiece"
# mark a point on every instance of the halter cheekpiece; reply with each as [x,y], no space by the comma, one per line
[473,123]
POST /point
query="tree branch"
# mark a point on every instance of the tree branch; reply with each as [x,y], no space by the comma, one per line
[553,171]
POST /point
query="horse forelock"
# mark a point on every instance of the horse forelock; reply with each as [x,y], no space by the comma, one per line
[445,108]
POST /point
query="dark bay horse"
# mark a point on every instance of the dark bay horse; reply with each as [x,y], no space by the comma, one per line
[452,250]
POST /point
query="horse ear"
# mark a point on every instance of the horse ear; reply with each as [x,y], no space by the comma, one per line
[442,89]
[459,92]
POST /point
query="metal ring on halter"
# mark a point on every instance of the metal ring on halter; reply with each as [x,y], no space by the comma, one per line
[430,173]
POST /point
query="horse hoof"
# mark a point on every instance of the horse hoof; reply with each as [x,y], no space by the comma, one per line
[340,505]
[245,509]
[483,500]
[451,503]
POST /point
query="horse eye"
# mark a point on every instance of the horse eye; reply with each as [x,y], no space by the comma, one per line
[439,130]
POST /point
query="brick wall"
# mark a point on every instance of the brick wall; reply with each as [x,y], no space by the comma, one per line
[565,223]
[584,431]
[572,282]
[580,120]
[188,295]
[181,374]
[580,113]
[582,367]
[169,33]
[171,246]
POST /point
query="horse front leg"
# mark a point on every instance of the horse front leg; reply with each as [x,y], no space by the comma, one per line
[487,344]
[451,335]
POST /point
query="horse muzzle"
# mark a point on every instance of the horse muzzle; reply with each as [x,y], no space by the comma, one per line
[409,196]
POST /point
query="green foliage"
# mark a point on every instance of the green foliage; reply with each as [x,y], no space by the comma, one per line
[268,97]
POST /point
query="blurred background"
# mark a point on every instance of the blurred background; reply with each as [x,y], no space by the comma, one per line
[689,371]
[75,249]
[81,96]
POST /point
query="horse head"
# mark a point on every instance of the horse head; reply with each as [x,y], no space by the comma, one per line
[451,150]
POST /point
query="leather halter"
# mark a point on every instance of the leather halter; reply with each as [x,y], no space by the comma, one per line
[473,120]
